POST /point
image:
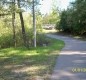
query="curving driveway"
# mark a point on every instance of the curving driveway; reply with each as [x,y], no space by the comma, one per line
[71,64]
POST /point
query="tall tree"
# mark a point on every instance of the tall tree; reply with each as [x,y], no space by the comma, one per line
[34,24]
[13,21]
[22,23]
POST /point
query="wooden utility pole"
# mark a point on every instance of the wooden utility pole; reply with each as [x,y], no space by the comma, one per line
[34,24]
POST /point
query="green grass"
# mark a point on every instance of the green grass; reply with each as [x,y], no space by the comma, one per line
[23,64]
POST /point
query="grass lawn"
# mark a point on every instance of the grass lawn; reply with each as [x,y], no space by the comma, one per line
[23,64]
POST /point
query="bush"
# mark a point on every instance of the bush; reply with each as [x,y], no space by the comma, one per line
[6,35]
[42,40]
[6,41]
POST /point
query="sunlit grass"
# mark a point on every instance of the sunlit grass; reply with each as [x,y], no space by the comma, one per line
[25,64]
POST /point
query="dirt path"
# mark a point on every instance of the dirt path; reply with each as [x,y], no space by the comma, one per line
[71,64]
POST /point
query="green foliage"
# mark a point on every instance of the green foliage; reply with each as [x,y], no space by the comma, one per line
[73,20]
[5,34]
[11,25]
[6,41]
[6,30]
[51,18]
[42,40]
[39,21]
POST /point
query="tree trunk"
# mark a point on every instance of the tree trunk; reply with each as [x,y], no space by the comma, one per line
[22,23]
[13,22]
[34,24]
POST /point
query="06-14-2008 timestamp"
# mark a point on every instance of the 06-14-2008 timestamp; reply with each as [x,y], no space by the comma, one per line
[78,69]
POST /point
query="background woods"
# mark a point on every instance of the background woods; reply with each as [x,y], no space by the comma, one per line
[16,24]
[73,20]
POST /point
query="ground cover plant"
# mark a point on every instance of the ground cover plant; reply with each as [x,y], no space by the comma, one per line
[23,64]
